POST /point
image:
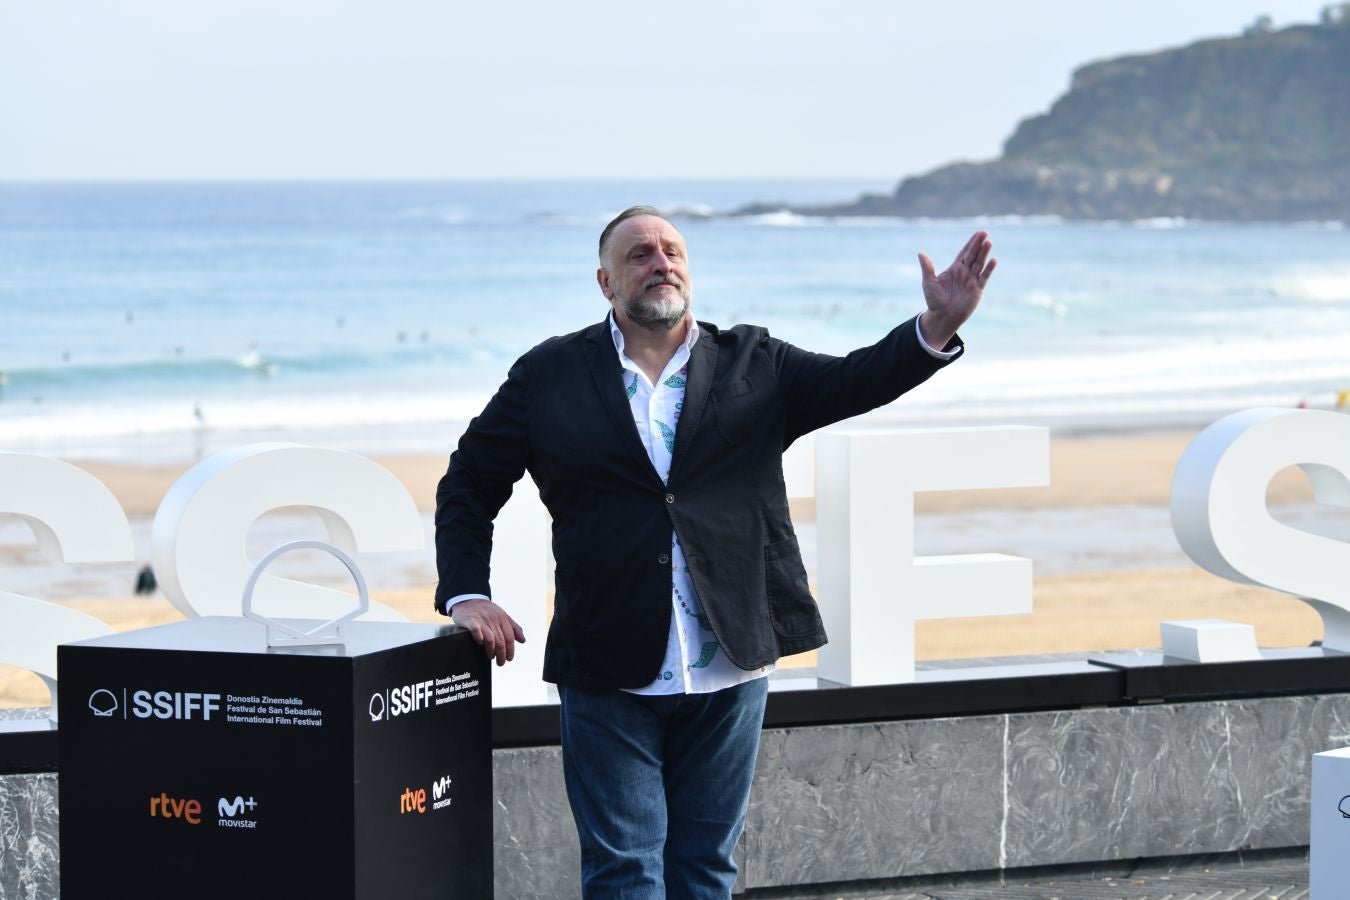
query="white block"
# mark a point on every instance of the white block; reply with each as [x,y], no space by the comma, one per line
[1209,640]
[1329,868]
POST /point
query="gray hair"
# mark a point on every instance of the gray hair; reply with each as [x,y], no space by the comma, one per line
[628,213]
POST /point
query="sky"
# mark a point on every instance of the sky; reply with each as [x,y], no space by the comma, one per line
[331,89]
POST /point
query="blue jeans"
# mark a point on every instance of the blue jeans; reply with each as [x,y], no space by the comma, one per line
[659,787]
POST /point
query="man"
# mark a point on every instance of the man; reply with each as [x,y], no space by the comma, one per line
[656,443]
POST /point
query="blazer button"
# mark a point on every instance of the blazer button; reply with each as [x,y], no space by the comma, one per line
[663,559]
[670,498]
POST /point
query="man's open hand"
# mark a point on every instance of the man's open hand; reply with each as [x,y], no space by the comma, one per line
[952,295]
[490,626]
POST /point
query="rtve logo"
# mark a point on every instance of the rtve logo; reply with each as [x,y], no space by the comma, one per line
[166,807]
[412,801]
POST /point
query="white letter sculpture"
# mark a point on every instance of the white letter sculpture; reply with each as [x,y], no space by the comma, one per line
[1221,520]
[872,587]
[75,519]
[198,535]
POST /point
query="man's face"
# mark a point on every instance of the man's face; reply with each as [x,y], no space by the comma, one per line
[645,273]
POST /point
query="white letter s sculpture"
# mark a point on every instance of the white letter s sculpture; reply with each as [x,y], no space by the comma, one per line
[75,519]
[1221,520]
[198,535]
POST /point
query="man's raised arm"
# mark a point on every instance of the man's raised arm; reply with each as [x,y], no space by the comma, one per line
[823,389]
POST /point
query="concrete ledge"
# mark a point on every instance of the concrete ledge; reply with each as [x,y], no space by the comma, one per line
[1240,875]
[884,800]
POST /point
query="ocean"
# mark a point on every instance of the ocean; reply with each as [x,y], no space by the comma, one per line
[158,322]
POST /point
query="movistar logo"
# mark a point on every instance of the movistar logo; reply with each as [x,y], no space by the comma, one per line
[236,813]
[232,808]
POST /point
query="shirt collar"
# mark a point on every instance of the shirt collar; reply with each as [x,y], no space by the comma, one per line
[690,338]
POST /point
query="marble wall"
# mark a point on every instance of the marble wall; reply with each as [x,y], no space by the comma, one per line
[883,800]
[1034,789]
[28,848]
[886,800]
[28,855]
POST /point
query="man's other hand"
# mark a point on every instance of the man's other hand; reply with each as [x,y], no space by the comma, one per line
[952,295]
[490,626]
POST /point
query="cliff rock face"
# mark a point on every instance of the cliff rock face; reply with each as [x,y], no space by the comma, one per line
[1248,128]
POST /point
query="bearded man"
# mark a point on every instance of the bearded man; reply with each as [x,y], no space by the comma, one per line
[656,443]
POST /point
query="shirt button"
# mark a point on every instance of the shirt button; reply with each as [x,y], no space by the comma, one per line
[670,498]
[663,559]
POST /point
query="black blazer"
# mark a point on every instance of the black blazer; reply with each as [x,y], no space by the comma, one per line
[563,417]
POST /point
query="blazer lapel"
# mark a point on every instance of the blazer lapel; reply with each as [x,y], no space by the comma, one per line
[605,368]
[702,366]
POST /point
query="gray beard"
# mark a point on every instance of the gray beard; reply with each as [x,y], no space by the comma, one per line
[656,315]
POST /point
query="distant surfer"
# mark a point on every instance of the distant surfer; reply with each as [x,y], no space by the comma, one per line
[199,432]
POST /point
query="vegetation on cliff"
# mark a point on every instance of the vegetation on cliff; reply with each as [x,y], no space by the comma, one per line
[1255,127]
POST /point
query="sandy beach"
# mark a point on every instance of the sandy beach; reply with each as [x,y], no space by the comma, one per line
[1110,608]
[1115,469]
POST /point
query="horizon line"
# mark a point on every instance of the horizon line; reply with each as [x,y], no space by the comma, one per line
[418,179]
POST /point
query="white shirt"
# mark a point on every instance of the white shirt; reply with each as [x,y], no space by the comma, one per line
[694,662]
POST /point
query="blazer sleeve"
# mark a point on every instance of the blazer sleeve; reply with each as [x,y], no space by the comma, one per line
[492,455]
[819,389]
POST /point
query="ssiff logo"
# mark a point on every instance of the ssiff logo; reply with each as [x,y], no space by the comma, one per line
[185,705]
[103,703]
[401,701]
[174,704]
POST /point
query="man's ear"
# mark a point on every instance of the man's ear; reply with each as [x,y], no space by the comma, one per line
[602,279]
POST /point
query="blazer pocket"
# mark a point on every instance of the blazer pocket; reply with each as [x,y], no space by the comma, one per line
[791,606]
[734,410]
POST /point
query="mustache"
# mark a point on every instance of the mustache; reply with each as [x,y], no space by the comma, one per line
[658,280]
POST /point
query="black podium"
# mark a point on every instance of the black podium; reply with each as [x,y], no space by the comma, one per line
[197,762]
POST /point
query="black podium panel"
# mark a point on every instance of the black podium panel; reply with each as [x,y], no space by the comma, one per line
[196,762]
